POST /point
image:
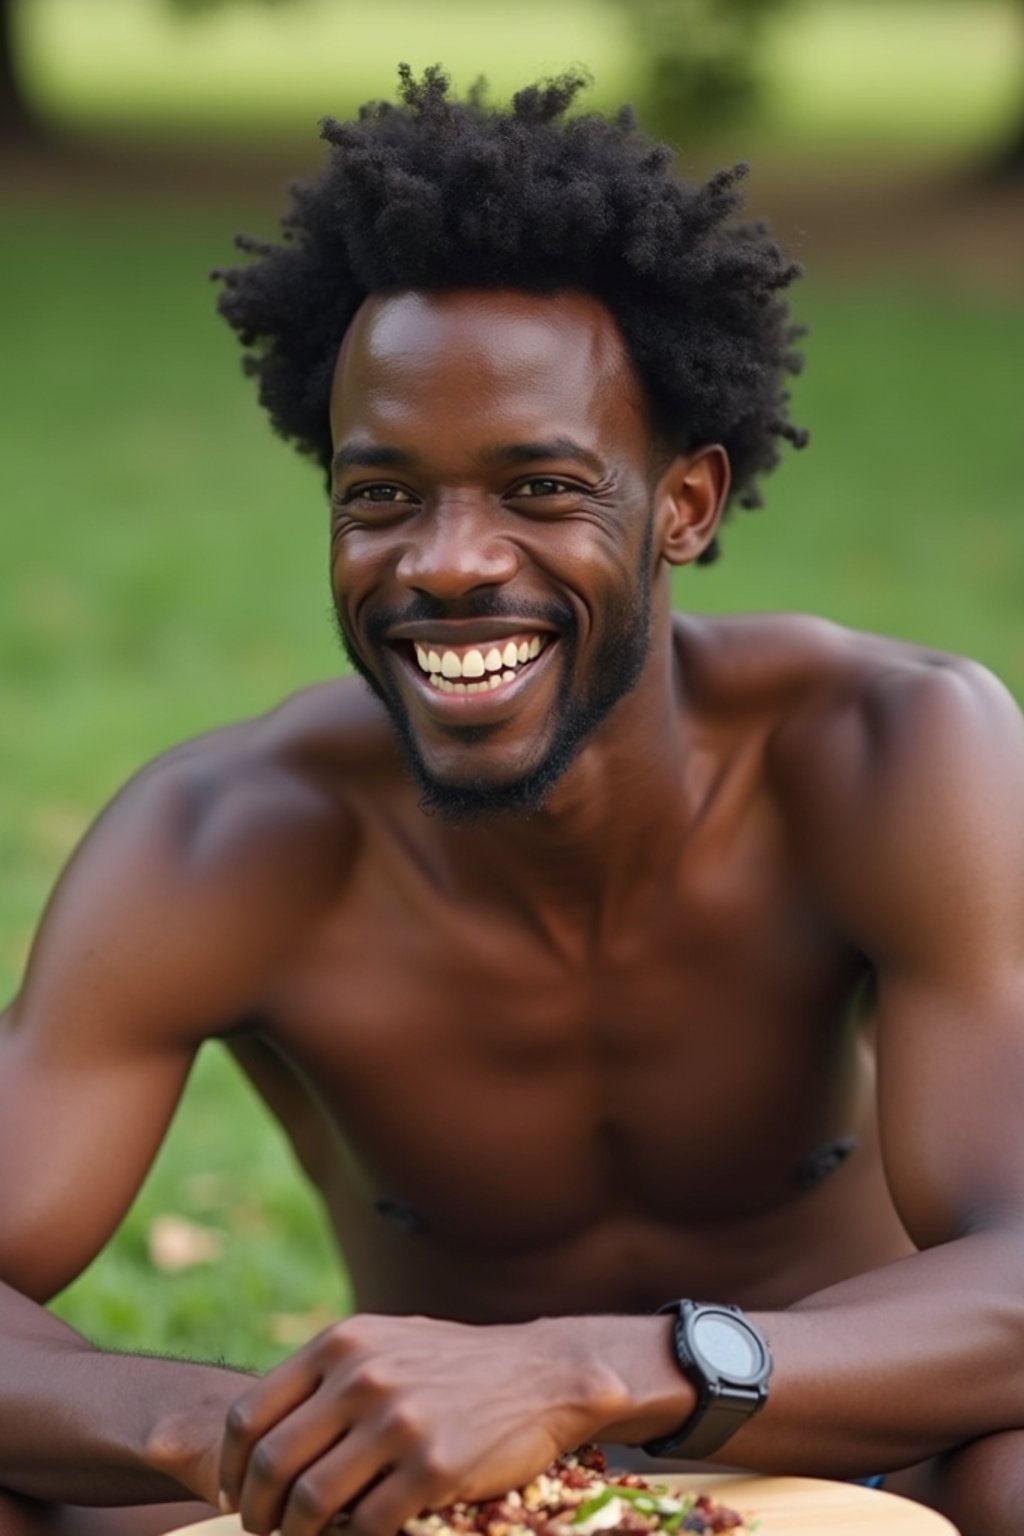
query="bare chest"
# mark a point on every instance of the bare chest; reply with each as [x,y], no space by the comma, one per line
[500,1094]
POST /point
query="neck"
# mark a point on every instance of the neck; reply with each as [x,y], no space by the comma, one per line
[618,813]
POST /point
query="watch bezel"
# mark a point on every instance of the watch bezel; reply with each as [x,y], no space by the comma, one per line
[710,1370]
[724,1404]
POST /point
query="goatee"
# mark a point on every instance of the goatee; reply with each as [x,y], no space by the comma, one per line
[580,706]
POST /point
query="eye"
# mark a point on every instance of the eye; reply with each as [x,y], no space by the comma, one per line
[375,493]
[379,502]
[544,485]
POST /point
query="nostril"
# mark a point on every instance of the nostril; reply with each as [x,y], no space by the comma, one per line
[452,565]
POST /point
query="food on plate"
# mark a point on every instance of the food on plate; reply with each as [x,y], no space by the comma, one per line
[578,1496]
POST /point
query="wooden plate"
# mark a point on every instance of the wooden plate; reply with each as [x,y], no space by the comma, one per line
[783,1506]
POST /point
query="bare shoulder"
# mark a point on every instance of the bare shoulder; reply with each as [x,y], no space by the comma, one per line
[898,771]
[847,704]
[209,866]
[867,721]
[271,787]
[286,780]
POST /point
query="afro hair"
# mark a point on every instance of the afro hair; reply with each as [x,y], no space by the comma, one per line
[437,193]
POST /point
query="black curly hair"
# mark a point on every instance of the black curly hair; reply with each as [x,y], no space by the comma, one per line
[438,193]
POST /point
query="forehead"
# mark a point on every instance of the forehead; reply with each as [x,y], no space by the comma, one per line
[487,361]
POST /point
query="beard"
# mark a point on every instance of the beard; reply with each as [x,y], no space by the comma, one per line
[578,710]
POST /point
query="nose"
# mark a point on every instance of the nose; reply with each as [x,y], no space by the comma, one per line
[457,547]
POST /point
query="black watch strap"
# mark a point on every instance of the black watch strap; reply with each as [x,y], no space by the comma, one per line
[723,1407]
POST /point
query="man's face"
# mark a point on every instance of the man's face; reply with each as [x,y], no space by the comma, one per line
[491,532]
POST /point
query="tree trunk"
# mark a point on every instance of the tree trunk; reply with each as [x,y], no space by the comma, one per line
[18,122]
[1007,163]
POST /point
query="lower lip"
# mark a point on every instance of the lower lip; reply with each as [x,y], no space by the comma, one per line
[482,706]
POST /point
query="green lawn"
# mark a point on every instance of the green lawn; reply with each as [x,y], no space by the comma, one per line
[164,570]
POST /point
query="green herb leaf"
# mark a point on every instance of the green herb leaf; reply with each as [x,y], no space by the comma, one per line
[682,1510]
[591,1506]
[649,1502]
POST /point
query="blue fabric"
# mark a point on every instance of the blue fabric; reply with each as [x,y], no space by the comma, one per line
[869,1482]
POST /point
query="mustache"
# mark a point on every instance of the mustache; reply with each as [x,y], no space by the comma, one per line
[484,604]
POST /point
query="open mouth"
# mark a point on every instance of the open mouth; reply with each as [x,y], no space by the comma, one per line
[480,668]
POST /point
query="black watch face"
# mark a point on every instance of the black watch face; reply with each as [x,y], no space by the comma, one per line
[729,1346]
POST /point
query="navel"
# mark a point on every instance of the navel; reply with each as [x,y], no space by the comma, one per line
[825,1161]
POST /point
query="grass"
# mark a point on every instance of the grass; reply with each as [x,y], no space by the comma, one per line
[164,570]
[924,74]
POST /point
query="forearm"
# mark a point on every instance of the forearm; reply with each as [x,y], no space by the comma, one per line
[879,1372]
[84,1427]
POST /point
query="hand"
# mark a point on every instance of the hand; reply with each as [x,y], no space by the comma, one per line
[385,1417]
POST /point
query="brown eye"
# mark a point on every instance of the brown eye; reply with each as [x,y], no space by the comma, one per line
[385,493]
[543,486]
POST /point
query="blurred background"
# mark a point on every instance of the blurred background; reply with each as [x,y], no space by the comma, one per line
[163,559]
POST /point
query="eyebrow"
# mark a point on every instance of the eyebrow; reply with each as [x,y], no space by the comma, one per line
[379,456]
[373,456]
[550,448]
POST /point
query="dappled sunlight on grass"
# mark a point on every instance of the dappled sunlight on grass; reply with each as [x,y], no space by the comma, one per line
[284,66]
[879,73]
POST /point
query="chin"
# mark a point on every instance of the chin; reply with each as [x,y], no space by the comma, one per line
[475,793]
[462,798]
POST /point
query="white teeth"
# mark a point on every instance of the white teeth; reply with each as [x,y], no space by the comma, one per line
[494,667]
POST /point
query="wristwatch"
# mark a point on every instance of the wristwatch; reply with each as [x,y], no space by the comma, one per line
[728,1360]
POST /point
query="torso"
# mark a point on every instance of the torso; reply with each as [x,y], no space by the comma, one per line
[504,1125]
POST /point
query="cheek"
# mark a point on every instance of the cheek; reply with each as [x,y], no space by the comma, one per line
[597,566]
[358,564]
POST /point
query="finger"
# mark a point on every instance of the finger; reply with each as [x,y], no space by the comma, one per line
[283,1454]
[255,1413]
[335,1482]
[416,1486]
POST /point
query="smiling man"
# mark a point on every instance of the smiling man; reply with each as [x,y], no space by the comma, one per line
[642,993]
[505,649]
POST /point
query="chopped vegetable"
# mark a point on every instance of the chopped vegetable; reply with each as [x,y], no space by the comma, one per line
[577,1496]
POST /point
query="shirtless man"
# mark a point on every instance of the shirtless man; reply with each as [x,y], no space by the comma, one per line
[577,1018]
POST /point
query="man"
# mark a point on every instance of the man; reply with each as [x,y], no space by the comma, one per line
[576,1019]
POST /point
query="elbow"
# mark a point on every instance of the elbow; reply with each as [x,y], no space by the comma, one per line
[34,1267]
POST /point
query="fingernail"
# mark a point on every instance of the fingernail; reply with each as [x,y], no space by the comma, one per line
[224,1504]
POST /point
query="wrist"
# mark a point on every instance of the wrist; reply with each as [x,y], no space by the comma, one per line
[627,1383]
[182,1441]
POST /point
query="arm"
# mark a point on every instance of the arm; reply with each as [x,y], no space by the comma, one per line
[147,947]
[909,809]
[911,816]
[81,1427]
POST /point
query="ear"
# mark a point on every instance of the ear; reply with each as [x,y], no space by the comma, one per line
[688,503]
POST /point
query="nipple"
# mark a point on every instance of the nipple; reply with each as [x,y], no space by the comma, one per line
[825,1161]
[399,1215]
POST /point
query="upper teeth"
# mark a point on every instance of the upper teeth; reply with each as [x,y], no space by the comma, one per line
[478,661]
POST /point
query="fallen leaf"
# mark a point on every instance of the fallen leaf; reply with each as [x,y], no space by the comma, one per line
[297,1327]
[176,1244]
